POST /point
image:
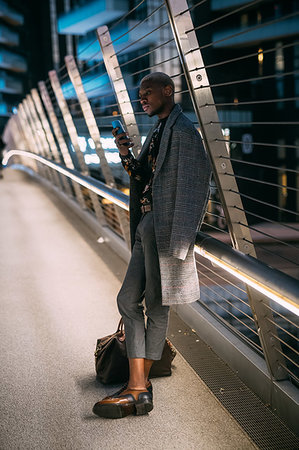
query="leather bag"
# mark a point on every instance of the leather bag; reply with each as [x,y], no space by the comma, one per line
[112,364]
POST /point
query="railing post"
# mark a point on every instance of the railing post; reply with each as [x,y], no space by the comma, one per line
[30,135]
[38,134]
[94,132]
[68,120]
[50,139]
[119,87]
[65,154]
[204,105]
[42,137]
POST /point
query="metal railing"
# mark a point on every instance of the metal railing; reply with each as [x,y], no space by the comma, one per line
[241,94]
[281,288]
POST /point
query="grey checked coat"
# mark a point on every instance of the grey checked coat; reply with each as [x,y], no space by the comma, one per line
[180,192]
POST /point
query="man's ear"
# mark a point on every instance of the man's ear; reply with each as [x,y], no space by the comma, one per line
[168,91]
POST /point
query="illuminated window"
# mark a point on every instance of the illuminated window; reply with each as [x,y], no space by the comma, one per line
[260,57]
[279,57]
[279,68]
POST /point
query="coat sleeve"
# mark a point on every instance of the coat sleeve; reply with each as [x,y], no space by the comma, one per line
[192,191]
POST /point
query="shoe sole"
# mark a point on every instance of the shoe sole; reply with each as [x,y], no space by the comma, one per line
[120,411]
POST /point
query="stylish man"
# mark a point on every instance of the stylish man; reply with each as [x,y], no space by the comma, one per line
[169,184]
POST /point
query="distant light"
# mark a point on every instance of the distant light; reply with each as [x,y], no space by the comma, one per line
[236,100]
[92,159]
[14,110]
[112,157]
[260,56]
[225,131]
[115,113]
[108,143]
[91,143]
[82,143]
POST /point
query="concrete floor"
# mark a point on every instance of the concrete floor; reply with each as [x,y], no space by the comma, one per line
[58,290]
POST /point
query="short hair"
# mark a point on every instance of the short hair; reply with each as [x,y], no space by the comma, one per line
[160,78]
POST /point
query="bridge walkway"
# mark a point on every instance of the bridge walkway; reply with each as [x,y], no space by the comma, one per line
[58,290]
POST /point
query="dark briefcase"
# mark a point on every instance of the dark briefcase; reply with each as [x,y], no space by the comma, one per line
[112,364]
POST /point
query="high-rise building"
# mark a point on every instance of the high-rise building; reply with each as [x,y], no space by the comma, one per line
[13,65]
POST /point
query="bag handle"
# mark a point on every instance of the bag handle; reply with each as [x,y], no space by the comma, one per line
[120,326]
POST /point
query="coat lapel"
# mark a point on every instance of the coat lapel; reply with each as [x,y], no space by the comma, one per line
[177,110]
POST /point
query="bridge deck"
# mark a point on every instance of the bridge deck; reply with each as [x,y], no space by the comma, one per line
[58,295]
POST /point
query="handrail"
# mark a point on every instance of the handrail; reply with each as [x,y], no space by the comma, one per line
[102,189]
[276,285]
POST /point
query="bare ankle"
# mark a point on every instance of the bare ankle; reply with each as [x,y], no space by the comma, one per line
[134,387]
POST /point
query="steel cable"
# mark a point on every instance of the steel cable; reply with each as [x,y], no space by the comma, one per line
[276,255]
[224,279]
[268,235]
[284,225]
[265,144]
[211,22]
[228,312]
[115,24]
[280,315]
[256,27]
[215,228]
[256,346]
[144,54]
[137,25]
[264,203]
[285,343]
[291,373]
[281,328]
[85,48]
[226,290]
[255,102]
[241,58]
[228,302]
[286,356]
[140,39]
[191,8]
[267,183]
[248,80]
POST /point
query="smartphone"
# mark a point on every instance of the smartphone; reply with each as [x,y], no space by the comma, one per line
[119,125]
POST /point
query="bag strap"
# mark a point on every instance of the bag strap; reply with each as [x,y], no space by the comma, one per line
[120,326]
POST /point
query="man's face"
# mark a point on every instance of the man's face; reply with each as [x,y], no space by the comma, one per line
[154,98]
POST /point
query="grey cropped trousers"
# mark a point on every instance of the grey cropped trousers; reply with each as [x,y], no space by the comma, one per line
[145,333]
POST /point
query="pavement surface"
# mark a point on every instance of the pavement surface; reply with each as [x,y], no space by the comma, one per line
[58,290]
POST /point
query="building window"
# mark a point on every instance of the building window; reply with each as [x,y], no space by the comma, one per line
[279,58]
[260,58]
[279,69]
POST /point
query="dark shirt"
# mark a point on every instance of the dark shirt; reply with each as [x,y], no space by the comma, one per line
[144,171]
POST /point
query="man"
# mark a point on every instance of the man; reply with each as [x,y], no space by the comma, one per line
[168,195]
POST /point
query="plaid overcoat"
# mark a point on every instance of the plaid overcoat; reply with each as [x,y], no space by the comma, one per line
[180,192]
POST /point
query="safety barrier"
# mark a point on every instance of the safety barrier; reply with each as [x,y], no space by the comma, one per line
[225,76]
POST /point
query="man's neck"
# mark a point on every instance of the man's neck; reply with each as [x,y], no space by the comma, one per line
[166,112]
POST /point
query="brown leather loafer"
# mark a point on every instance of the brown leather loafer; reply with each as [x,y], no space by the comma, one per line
[124,405]
[149,387]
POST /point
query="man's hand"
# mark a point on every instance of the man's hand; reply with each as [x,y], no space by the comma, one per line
[122,142]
